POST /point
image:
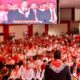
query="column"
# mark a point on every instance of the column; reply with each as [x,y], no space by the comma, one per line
[46,29]
[6,31]
[30,30]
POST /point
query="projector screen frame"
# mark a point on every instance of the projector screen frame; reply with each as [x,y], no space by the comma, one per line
[33,22]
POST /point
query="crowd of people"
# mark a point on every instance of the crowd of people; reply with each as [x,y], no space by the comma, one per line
[26,58]
[38,13]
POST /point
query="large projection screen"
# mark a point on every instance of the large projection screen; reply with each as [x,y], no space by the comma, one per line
[29,11]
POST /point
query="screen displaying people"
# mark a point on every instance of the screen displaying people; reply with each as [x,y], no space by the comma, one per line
[28,11]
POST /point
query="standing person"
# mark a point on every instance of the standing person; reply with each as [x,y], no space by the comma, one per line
[52,9]
[78,70]
[34,7]
[43,14]
[11,9]
[23,13]
[56,70]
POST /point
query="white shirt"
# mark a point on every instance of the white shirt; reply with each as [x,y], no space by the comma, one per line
[22,12]
[26,74]
[39,74]
[14,74]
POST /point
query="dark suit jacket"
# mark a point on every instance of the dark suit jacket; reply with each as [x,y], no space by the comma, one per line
[11,16]
[43,16]
[16,15]
[57,74]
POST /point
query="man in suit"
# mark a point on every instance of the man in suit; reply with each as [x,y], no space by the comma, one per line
[10,13]
[34,7]
[23,13]
[52,9]
[43,14]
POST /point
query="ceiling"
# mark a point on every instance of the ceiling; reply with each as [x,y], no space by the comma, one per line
[69,3]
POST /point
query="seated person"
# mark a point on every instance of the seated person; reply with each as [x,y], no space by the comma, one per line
[27,73]
[4,73]
[78,70]
[15,73]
